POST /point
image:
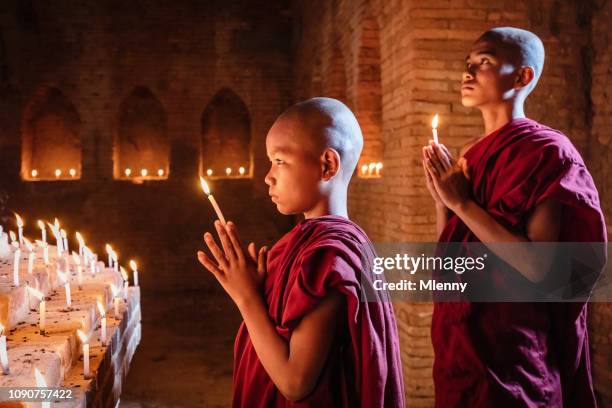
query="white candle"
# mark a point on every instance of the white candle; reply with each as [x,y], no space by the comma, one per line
[102,323]
[43,231]
[20,228]
[84,341]
[66,279]
[31,255]
[212,201]
[434,128]
[13,239]
[3,354]
[41,383]
[81,243]
[134,267]
[16,267]
[46,253]
[77,261]
[41,307]
[109,251]
[116,261]
[65,248]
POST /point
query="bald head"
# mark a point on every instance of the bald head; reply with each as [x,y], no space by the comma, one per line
[521,47]
[323,123]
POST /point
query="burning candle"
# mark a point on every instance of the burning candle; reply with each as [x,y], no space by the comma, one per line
[34,173]
[43,231]
[85,342]
[31,255]
[41,383]
[16,259]
[144,172]
[212,201]
[128,172]
[209,172]
[102,323]
[45,248]
[109,251]
[364,169]
[41,308]
[13,239]
[160,172]
[115,261]
[126,282]
[371,168]
[116,300]
[241,171]
[65,247]
[134,267]
[77,261]
[379,166]
[66,279]
[72,173]
[79,238]
[228,171]
[58,173]
[434,128]
[3,354]
[20,228]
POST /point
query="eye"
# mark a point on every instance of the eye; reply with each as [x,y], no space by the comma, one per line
[278,162]
[484,61]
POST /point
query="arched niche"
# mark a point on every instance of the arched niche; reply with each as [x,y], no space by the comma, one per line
[368,100]
[226,137]
[51,142]
[142,148]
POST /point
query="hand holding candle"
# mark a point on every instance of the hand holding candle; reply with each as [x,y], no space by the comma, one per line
[212,201]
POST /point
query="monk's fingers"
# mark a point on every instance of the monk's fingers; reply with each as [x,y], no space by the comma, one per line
[210,265]
[437,163]
[261,262]
[252,251]
[232,232]
[427,175]
[216,251]
[431,170]
[226,243]
[467,171]
[443,156]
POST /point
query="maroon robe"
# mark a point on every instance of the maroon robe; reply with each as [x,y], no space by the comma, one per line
[363,368]
[519,354]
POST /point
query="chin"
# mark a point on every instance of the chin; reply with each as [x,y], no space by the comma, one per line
[468,102]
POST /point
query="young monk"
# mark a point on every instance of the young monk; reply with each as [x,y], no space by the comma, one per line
[307,339]
[520,182]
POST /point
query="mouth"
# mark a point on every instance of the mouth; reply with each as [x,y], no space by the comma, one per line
[466,87]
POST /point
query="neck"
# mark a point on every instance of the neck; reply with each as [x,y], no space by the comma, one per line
[497,116]
[334,204]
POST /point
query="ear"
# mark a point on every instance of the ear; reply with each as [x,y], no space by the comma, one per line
[525,76]
[331,163]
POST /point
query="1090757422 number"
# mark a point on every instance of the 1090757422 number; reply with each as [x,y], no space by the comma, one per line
[36,394]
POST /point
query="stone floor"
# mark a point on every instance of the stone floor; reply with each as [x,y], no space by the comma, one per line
[185,356]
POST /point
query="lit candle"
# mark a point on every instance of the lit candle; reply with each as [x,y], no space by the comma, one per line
[160,173]
[241,171]
[64,277]
[209,172]
[31,255]
[228,171]
[116,299]
[134,267]
[85,342]
[43,231]
[115,261]
[364,169]
[41,383]
[77,260]
[13,239]
[20,228]
[41,308]
[144,172]
[379,166]
[371,168]
[58,173]
[16,266]
[34,173]
[109,251]
[45,248]
[126,282]
[65,247]
[128,172]
[212,201]
[79,238]
[102,323]
[434,128]
[3,354]
[72,173]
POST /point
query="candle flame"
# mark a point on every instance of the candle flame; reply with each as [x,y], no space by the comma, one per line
[128,172]
[82,336]
[144,172]
[63,232]
[109,249]
[160,172]
[72,173]
[58,173]
[56,223]
[34,173]
[13,236]
[41,225]
[434,122]
[76,258]
[79,238]
[124,273]
[379,165]
[40,379]
[228,171]
[133,265]
[241,170]
[36,293]
[101,309]
[19,220]
[28,244]
[364,169]
[204,186]
[209,172]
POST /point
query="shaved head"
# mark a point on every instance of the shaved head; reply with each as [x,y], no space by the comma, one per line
[322,123]
[521,48]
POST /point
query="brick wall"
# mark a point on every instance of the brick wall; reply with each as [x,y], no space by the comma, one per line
[421,47]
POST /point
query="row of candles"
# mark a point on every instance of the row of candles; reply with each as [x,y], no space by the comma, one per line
[58,173]
[85,258]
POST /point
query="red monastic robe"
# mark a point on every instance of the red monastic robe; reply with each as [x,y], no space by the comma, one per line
[363,368]
[520,354]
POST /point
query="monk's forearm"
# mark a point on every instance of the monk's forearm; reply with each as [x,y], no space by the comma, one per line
[271,348]
[531,263]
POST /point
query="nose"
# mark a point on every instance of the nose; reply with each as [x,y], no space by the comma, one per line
[269,179]
[468,73]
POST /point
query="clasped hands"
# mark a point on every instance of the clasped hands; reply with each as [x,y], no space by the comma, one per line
[447,180]
[240,274]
